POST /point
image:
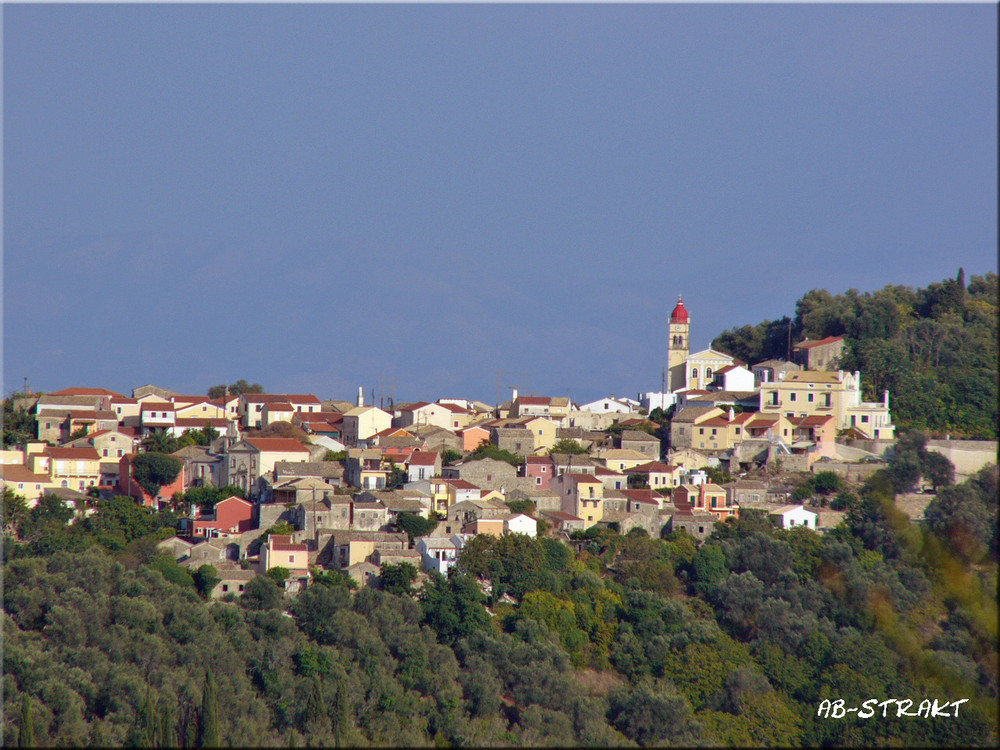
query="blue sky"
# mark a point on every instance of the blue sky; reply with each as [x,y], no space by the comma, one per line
[317,197]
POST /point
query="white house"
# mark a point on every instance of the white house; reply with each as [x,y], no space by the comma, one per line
[610,405]
[733,378]
[439,553]
[790,516]
[520,524]
[695,477]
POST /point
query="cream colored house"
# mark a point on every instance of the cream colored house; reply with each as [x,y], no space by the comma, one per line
[109,444]
[25,482]
[281,552]
[362,422]
[423,413]
[810,392]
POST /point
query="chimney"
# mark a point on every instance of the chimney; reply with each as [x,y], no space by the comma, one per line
[513,395]
[732,414]
[885,398]
[361,395]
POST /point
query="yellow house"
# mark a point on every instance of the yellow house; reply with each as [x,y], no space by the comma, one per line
[712,434]
[74,468]
[22,480]
[702,366]
[809,392]
[198,409]
[543,431]
[622,459]
[582,496]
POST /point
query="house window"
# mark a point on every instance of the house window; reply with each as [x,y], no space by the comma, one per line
[810,397]
[694,372]
[708,372]
[105,451]
[241,587]
[737,430]
[225,588]
[538,480]
[701,430]
[291,558]
[792,396]
[864,419]
[120,454]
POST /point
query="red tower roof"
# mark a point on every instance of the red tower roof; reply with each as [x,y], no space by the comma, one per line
[680,313]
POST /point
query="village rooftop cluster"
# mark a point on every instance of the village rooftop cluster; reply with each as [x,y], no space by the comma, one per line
[743,419]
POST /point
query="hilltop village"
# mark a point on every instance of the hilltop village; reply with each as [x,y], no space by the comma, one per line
[309,485]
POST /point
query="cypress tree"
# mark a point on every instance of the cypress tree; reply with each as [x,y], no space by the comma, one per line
[27,736]
[209,724]
[341,713]
[164,725]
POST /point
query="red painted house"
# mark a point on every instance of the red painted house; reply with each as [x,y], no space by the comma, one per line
[130,486]
[234,515]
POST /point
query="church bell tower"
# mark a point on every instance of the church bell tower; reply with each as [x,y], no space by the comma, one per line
[678,347]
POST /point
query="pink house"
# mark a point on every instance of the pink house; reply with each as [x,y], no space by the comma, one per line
[234,515]
[539,468]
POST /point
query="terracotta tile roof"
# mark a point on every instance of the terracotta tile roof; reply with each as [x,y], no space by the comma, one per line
[816,420]
[656,466]
[280,406]
[714,422]
[75,391]
[93,416]
[70,454]
[534,400]
[585,479]
[277,547]
[807,344]
[21,473]
[456,409]
[157,406]
[423,458]
[282,445]
[123,400]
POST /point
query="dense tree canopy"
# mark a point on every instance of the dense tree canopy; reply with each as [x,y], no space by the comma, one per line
[616,640]
[934,349]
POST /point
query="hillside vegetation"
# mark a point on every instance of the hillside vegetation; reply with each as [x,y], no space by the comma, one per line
[934,349]
[620,640]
